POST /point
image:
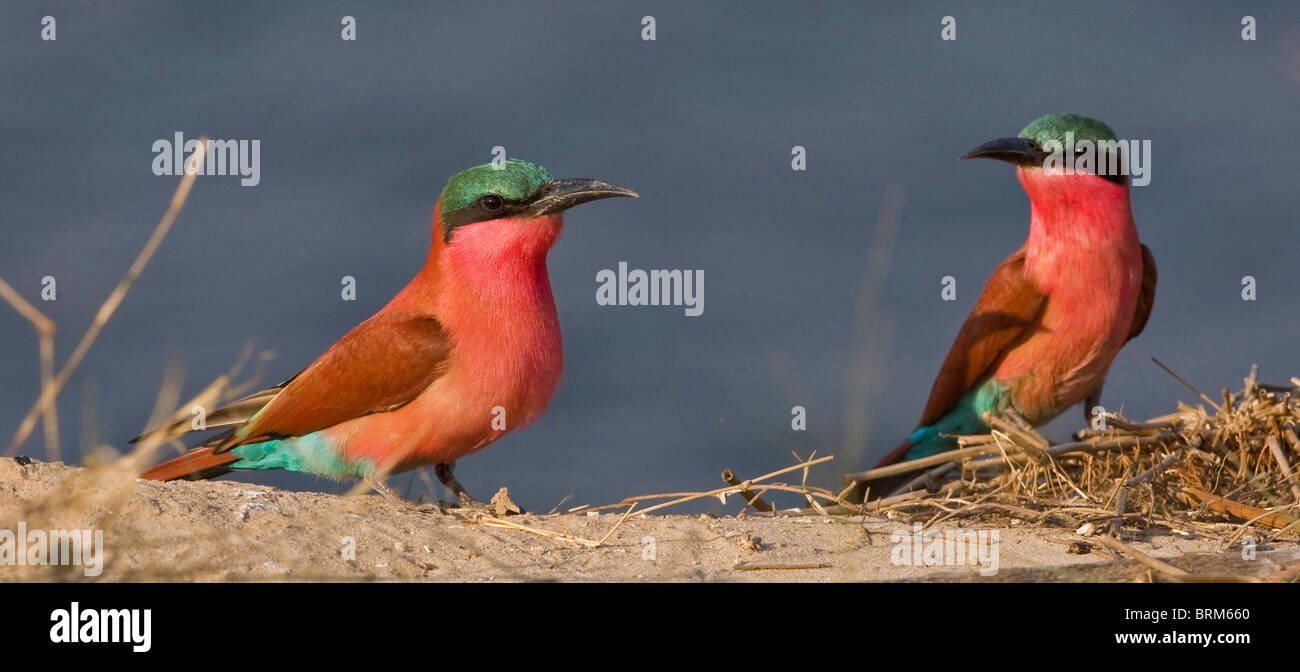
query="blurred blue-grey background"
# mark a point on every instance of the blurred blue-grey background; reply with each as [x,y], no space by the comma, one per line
[359,137]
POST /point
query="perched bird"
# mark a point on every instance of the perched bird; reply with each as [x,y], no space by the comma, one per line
[468,351]
[1054,315]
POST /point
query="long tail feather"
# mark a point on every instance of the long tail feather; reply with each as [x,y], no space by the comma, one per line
[227,416]
[231,415]
[195,465]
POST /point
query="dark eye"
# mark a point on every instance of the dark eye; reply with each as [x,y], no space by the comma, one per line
[491,202]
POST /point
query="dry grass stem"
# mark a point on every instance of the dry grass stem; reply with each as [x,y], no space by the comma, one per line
[106,310]
[1215,472]
[493,521]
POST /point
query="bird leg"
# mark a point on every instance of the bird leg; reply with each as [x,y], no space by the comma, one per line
[1093,401]
[1013,416]
[1012,419]
[443,470]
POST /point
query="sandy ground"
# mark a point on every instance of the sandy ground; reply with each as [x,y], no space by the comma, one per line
[230,531]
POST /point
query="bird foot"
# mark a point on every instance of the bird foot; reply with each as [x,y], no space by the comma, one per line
[465,501]
[500,506]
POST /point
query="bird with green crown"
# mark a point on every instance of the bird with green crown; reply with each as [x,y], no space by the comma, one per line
[1054,314]
[468,351]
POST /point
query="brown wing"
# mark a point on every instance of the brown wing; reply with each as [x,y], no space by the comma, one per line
[1147,297]
[1007,311]
[380,365]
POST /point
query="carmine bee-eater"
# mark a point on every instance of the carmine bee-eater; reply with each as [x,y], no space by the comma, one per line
[1054,315]
[468,351]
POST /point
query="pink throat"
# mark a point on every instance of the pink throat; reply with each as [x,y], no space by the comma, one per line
[1083,213]
[487,270]
[502,260]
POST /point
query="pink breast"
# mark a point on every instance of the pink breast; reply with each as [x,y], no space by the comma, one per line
[1083,253]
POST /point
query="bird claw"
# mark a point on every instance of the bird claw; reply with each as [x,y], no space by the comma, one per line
[500,506]
[467,503]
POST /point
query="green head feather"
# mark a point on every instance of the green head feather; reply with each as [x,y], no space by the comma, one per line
[1055,126]
[512,180]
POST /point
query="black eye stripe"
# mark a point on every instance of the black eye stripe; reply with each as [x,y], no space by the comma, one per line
[478,211]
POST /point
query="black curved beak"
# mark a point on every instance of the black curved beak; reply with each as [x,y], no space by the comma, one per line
[559,195]
[1018,151]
